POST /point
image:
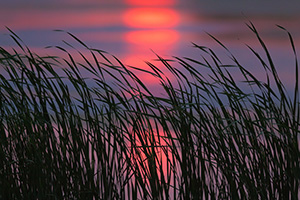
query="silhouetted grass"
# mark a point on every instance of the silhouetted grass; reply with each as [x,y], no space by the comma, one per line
[105,135]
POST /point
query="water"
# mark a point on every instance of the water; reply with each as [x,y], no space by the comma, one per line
[132,30]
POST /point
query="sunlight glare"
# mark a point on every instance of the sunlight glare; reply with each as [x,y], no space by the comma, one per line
[150,3]
[151,18]
[152,37]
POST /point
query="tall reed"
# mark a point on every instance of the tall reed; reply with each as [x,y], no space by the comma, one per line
[106,135]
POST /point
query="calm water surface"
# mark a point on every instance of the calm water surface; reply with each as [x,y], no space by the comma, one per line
[134,29]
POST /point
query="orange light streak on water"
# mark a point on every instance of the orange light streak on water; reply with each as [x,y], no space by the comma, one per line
[151,18]
[151,2]
[153,38]
[152,26]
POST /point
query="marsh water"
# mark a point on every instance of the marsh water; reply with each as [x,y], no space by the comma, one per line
[135,30]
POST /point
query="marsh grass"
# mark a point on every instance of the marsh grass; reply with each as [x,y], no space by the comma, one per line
[62,137]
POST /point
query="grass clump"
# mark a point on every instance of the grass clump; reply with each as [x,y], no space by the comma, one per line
[65,136]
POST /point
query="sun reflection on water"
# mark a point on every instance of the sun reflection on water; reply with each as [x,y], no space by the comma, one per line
[150,3]
[153,38]
[152,26]
[151,18]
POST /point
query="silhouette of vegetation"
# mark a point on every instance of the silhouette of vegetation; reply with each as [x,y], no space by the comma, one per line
[94,130]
